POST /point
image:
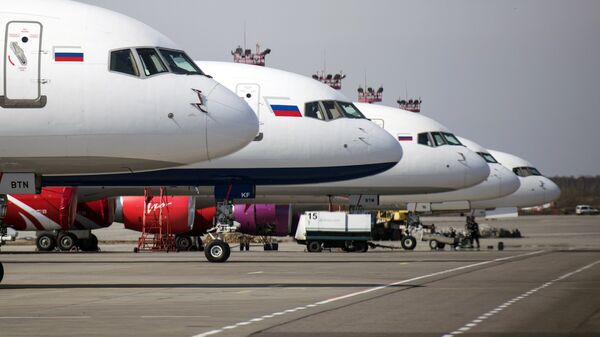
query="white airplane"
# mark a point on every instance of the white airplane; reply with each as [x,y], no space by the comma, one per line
[534,190]
[500,182]
[86,90]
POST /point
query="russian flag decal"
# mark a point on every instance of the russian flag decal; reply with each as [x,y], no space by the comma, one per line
[286,110]
[68,54]
[405,138]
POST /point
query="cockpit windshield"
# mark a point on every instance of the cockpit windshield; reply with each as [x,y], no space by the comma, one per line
[488,157]
[435,139]
[179,62]
[451,139]
[330,110]
[526,171]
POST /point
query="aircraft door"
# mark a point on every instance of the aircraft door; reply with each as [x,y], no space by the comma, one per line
[22,53]
[250,92]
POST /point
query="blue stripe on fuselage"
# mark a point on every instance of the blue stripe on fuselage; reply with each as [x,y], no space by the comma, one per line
[210,177]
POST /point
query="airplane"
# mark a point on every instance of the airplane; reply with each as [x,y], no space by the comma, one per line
[85,90]
[535,189]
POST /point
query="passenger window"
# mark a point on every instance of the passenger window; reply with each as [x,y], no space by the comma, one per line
[122,61]
[331,111]
[424,139]
[438,139]
[313,110]
[151,62]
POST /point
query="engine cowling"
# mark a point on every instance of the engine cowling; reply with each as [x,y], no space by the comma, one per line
[263,219]
[177,212]
[203,220]
[53,209]
[95,214]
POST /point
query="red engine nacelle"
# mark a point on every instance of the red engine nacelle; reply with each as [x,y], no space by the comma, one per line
[95,214]
[177,212]
[204,220]
[53,209]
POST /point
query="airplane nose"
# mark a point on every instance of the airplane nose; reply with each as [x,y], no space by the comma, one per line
[231,123]
[510,182]
[552,190]
[476,168]
[383,146]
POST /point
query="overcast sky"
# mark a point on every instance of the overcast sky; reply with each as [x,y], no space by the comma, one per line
[516,76]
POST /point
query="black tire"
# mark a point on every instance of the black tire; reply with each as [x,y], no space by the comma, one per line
[247,246]
[441,245]
[434,244]
[1,272]
[409,242]
[242,247]
[361,246]
[217,251]
[275,246]
[90,244]
[66,241]
[45,242]
[183,243]
[136,250]
[314,246]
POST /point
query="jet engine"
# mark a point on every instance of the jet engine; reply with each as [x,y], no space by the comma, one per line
[177,212]
[95,214]
[263,219]
[53,209]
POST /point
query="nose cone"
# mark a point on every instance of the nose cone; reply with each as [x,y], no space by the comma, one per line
[509,182]
[231,123]
[476,169]
[384,147]
[552,191]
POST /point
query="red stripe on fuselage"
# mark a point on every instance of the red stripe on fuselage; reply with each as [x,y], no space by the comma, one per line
[287,113]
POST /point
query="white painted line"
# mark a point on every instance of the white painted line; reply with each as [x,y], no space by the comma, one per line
[504,305]
[255,272]
[45,317]
[174,316]
[370,290]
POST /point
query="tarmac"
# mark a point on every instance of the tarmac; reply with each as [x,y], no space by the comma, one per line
[545,284]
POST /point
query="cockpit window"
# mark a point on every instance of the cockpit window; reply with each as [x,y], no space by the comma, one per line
[451,139]
[424,139]
[526,171]
[313,110]
[151,62]
[122,61]
[179,62]
[438,138]
[350,110]
[329,110]
[488,157]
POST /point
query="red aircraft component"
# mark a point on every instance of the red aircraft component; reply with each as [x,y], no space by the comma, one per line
[53,209]
[95,214]
[203,220]
[178,212]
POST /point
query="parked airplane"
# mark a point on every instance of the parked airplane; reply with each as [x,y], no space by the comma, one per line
[535,189]
[86,90]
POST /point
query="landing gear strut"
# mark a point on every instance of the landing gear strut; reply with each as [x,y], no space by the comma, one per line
[217,250]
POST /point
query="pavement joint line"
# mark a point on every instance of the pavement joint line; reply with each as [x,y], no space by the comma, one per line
[369,290]
[506,304]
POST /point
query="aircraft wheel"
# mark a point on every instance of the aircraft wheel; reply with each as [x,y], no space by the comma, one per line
[247,246]
[314,246]
[183,243]
[409,242]
[45,242]
[275,245]
[217,251]
[66,241]
[90,244]
[1,272]
[434,244]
